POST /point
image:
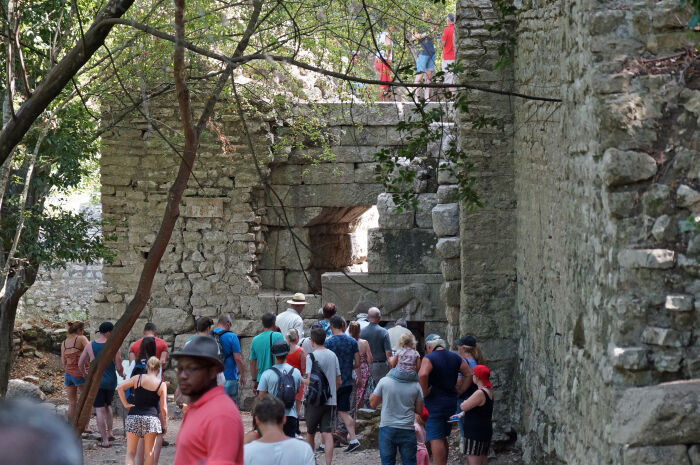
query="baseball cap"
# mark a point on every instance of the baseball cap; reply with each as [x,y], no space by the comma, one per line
[468,340]
[279,348]
[105,327]
[432,336]
[482,372]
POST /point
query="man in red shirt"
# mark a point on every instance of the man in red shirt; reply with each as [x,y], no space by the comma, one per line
[448,49]
[161,346]
[212,431]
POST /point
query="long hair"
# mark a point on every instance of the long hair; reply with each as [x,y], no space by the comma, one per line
[475,352]
[147,349]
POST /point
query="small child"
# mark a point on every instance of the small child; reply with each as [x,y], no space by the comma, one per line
[406,362]
[419,425]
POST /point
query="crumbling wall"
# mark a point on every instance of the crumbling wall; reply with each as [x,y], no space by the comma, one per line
[247,239]
[607,281]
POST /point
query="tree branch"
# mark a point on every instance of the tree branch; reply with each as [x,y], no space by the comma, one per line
[57,78]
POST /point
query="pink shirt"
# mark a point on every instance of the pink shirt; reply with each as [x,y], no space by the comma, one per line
[211,432]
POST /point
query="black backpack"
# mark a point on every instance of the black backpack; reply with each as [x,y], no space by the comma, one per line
[217,338]
[286,387]
[318,391]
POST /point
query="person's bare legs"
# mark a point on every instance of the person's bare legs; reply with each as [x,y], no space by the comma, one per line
[102,424]
[72,393]
[131,446]
[157,446]
[349,424]
[328,441]
[310,438]
[439,448]
[140,453]
[110,421]
[149,445]
[428,76]
[417,80]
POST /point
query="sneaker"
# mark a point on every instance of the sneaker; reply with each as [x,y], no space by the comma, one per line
[353,446]
[455,418]
[321,448]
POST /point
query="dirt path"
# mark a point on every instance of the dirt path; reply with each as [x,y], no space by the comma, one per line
[97,456]
[117,452]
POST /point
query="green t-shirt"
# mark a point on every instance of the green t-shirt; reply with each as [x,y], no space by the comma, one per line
[260,350]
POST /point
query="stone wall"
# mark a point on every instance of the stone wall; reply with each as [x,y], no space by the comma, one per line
[487,234]
[605,306]
[247,239]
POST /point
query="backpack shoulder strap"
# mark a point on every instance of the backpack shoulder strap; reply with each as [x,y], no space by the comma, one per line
[277,372]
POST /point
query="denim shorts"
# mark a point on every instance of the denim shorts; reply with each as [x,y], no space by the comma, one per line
[231,388]
[425,63]
[69,380]
[437,426]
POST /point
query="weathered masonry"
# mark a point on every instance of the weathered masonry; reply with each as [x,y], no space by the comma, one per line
[578,271]
[249,236]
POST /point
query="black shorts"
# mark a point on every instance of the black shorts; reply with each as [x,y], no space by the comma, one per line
[319,418]
[343,395]
[291,426]
[104,398]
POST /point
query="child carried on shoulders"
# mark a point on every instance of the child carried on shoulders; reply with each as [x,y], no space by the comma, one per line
[406,362]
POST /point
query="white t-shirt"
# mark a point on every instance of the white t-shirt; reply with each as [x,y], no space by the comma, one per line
[330,367]
[290,451]
[290,319]
[384,49]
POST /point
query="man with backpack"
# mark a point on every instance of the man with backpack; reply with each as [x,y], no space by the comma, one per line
[261,349]
[348,353]
[282,381]
[230,351]
[322,378]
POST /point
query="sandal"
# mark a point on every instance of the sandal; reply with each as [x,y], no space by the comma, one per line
[112,438]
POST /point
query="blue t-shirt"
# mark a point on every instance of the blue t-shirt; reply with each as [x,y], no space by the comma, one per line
[231,345]
[426,46]
[442,380]
[109,377]
[345,348]
[269,382]
[326,325]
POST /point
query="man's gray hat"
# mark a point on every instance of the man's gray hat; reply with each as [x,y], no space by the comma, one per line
[201,347]
[279,348]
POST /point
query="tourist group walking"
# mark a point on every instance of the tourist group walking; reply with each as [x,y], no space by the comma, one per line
[318,378]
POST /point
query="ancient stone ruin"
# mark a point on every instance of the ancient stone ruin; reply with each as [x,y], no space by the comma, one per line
[579,276]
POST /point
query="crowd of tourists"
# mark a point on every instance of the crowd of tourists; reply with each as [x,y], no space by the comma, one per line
[321,377]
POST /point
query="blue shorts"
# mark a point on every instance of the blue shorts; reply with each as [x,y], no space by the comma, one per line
[425,63]
[437,427]
[69,380]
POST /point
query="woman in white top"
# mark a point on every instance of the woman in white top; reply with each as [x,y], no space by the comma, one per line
[274,447]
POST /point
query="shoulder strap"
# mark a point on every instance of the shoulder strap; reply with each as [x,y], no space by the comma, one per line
[138,381]
[277,372]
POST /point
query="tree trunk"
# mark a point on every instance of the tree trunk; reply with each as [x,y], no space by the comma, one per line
[15,287]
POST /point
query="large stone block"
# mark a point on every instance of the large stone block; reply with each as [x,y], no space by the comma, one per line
[172,320]
[688,197]
[196,207]
[402,251]
[665,337]
[647,258]
[671,415]
[625,167]
[450,293]
[389,215]
[446,219]
[414,296]
[447,247]
[656,455]
[424,210]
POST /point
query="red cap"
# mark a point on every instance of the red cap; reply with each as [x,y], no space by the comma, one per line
[482,372]
[424,414]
